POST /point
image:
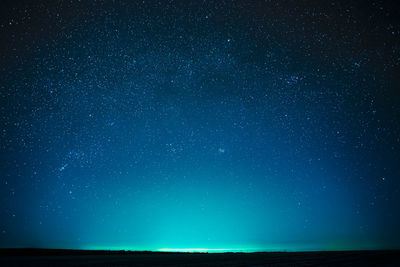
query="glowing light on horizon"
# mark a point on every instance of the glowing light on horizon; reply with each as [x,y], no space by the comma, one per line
[204,250]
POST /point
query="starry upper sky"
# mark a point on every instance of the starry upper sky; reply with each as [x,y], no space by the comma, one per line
[251,125]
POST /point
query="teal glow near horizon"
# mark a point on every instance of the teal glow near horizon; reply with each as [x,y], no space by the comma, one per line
[193,250]
[183,250]
[250,249]
[203,250]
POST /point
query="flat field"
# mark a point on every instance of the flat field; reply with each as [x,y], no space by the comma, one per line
[60,258]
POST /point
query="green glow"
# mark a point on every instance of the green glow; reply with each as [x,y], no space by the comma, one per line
[222,249]
[200,250]
[225,249]
[115,248]
[205,250]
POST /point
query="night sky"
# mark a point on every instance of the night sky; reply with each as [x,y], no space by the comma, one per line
[233,125]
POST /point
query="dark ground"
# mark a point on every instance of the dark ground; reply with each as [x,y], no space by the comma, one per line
[59,258]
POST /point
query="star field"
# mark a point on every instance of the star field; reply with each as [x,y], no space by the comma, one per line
[264,125]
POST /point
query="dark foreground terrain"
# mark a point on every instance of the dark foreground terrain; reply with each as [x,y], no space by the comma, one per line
[60,258]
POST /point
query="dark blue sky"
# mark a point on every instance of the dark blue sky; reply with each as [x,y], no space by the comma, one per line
[251,125]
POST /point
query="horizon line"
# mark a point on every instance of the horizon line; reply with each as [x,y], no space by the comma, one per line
[197,250]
